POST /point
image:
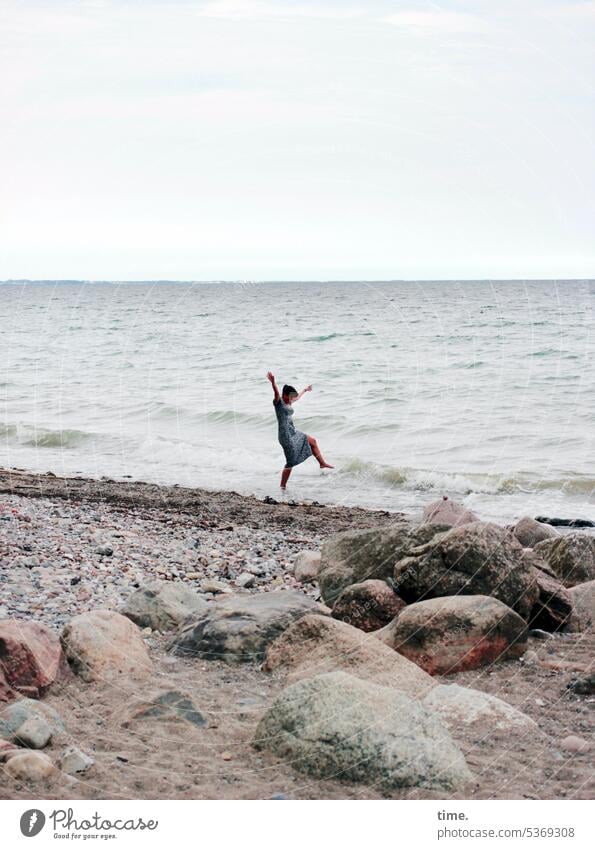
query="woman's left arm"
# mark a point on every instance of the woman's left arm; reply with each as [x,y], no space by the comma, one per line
[303,392]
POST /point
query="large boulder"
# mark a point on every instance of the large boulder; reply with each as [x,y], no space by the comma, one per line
[368,606]
[477,559]
[355,556]
[30,656]
[583,602]
[472,716]
[456,633]
[529,532]
[447,512]
[306,566]
[571,557]
[337,726]
[317,644]
[163,605]
[104,645]
[239,628]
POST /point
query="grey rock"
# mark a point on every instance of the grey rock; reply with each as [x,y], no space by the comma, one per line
[15,714]
[238,629]
[163,605]
[74,761]
[355,556]
[583,607]
[34,733]
[337,726]
[571,557]
[306,566]
[245,580]
[529,532]
[477,559]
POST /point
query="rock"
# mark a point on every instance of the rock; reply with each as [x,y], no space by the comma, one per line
[169,705]
[340,727]
[306,566]
[477,559]
[15,714]
[318,644]
[245,580]
[7,748]
[368,606]
[531,658]
[456,633]
[575,745]
[553,607]
[29,766]
[30,657]
[239,628]
[571,557]
[34,733]
[163,605]
[104,550]
[74,761]
[355,556]
[472,715]
[583,686]
[529,532]
[215,587]
[583,607]
[102,645]
[447,512]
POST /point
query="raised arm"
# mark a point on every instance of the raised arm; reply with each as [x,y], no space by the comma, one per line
[271,378]
[303,392]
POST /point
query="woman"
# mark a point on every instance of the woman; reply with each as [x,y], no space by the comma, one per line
[297,446]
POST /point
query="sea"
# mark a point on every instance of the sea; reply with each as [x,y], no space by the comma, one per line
[483,391]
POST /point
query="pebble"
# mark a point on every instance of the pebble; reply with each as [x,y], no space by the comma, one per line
[75,761]
[245,580]
[531,658]
[29,766]
[575,744]
[64,556]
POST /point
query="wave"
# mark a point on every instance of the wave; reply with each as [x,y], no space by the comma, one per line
[465,483]
[39,437]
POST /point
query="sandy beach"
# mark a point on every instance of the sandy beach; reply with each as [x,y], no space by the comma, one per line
[70,545]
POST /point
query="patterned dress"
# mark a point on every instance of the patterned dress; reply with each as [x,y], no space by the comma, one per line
[294,443]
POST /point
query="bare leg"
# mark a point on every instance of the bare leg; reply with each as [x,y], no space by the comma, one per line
[285,476]
[316,451]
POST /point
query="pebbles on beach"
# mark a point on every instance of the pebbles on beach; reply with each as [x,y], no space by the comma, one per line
[59,559]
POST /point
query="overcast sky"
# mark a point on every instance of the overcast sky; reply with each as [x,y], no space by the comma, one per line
[296,139]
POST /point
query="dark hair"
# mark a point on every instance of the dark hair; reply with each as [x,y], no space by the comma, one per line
[289,390]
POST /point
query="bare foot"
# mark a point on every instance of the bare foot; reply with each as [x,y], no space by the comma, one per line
[326,466]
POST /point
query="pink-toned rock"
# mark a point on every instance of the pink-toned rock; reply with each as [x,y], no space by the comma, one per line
[456,633]
[575,745]
[583,612]
[529,532]
[368,606]
[102,645]
[553,608]
[30,655]
[447,512]
[318,644]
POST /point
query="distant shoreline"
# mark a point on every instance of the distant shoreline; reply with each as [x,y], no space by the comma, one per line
[239,281]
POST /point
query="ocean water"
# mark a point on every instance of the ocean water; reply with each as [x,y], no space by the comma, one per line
[483,391]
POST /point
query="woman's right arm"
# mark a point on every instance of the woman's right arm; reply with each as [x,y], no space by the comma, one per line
[274,385]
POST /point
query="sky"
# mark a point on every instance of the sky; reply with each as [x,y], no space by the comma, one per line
[297,139]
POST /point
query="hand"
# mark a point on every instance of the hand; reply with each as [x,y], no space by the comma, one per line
[271,376]
[308,388]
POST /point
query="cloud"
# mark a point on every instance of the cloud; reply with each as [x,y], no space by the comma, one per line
[439,21]
[258,9]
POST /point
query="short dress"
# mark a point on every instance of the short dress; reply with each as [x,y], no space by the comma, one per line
[294,443]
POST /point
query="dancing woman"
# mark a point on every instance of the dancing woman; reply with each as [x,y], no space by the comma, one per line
[296,445]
